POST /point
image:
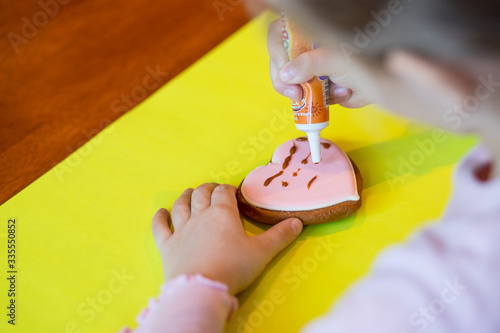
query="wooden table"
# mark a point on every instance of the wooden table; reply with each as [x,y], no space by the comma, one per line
[68,68]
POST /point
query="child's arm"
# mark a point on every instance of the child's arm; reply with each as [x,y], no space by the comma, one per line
[187,304]
[444,279]
[208,240]
[437,282]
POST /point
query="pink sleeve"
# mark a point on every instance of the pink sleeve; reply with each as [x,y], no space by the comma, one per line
[187,304]
[444,280]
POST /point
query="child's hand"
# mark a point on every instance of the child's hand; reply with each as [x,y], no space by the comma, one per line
[286,75]
[209,238]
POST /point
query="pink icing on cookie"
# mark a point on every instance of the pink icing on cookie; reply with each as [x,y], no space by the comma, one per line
[314,186]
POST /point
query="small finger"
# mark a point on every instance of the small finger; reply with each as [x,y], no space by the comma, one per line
[202,197]
[339,94]
[318,62]
[225,195]
[292,91]
[279,236]
[181,210]
[275,45]
[160,228]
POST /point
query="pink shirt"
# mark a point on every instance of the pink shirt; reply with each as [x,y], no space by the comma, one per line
[445,278]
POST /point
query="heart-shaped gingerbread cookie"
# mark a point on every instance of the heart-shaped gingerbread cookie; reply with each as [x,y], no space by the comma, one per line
[291,185]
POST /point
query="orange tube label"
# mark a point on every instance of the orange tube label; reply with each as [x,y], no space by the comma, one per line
[314,106]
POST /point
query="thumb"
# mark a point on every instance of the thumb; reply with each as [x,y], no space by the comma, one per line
[317,62]
[279,236]
[160,228]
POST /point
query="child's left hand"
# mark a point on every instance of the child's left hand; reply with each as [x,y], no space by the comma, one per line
[209,238]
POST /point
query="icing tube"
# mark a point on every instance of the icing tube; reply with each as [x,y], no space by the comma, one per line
[311,113]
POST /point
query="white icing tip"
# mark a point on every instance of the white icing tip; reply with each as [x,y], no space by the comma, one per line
[315,146]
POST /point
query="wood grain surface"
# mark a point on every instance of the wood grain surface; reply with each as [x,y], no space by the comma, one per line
[68,68]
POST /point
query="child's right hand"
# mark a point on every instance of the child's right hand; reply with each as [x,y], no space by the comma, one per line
[209,238]
[286,75]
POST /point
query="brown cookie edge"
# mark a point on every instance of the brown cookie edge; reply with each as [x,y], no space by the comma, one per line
[308,217]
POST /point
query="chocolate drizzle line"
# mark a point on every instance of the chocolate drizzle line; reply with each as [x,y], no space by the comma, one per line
[311,181]
[270,179]
[286,163]
[293,150]
[289,158]
[304,161]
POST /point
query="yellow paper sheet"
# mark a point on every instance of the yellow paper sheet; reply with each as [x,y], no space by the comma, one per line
[86,260]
